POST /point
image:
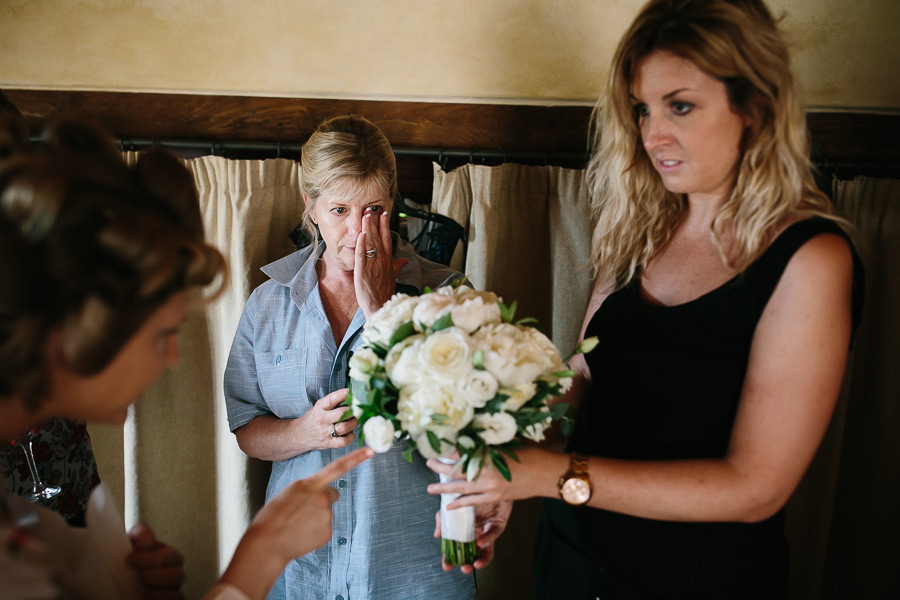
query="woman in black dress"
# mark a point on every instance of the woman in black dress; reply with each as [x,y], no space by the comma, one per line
[724,303]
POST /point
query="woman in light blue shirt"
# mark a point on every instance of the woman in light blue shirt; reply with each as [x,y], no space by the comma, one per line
[286,377]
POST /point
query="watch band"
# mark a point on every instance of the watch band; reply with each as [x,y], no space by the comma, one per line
[578,464]
[574,485]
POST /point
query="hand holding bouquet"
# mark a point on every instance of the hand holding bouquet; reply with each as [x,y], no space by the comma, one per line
[450,371]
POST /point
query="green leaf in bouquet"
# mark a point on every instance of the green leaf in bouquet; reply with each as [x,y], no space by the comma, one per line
[380,350]
[347,414]
[566,426]
[433,441]
[477,461]
[478,360]
[439,419]
[408,453]
[457,281]
[583,347]
[403,332]
[558,410]
[500,464]
[544,392]
[526,417]
[507,313]
[442,323]
[526,321]
[495,404]
[587,345]
[508,448]
[566,373]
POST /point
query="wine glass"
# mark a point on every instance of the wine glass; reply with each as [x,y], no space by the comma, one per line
[40,493]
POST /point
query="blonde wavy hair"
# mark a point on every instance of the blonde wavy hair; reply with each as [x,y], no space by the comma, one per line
[738,43]
[348,152]
[90,248]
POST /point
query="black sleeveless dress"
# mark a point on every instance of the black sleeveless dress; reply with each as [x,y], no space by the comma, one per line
[671,381]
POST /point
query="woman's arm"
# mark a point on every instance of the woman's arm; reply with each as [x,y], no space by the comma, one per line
[794,375]
[270,438]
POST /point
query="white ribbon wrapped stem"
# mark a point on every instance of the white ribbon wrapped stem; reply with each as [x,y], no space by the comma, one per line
[457,524]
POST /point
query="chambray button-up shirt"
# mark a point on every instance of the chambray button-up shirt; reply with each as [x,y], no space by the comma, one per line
[283,359]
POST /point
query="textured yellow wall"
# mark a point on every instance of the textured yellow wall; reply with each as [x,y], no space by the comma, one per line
[462,50]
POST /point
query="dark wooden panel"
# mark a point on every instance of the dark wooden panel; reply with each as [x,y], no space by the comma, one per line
[414,124]
[857,137]
[845,138]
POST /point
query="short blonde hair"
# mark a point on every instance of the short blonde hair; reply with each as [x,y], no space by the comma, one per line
[738,43]
[347,150]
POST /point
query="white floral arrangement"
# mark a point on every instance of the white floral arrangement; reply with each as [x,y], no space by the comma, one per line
[451,371]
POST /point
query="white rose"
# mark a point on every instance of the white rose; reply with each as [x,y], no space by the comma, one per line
[479,387]
[472,312]
[379,434]
[363,363]
[513,354]
[518,395]
[356,408]
[402,361]
[535,432]
[385,321]
[418,404]
[448,290]
[430,308]
[499,428]
[446,355]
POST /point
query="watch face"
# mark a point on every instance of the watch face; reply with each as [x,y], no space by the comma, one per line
[576,491]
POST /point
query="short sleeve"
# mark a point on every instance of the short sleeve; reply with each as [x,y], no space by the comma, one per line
[243,399]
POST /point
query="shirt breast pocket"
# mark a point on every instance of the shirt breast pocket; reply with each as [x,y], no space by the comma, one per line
[280,375]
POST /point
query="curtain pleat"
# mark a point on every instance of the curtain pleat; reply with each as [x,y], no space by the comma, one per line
[863,549]
[178,465]
[529,240]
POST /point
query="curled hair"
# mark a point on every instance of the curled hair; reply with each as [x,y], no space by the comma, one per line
[738,43]
[348,152]
[90,248]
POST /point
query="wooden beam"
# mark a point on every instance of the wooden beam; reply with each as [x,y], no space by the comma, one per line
[414,124]
[7,107]
[848,137]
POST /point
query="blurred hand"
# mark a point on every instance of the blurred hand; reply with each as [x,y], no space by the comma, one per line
[158,567]
[375,277]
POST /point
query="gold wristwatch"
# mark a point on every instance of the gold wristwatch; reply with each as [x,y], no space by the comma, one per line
[575,485]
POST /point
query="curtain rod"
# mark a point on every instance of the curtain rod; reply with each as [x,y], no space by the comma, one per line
[279,149]
[441,155]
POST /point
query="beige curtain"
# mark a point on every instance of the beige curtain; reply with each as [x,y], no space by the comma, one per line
[175,465]
[852,525]
[529,238]
[529,241]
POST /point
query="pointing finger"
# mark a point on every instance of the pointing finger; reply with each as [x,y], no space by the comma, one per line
[335,469]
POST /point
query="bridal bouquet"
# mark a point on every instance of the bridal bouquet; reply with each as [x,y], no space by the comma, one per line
[449,371]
